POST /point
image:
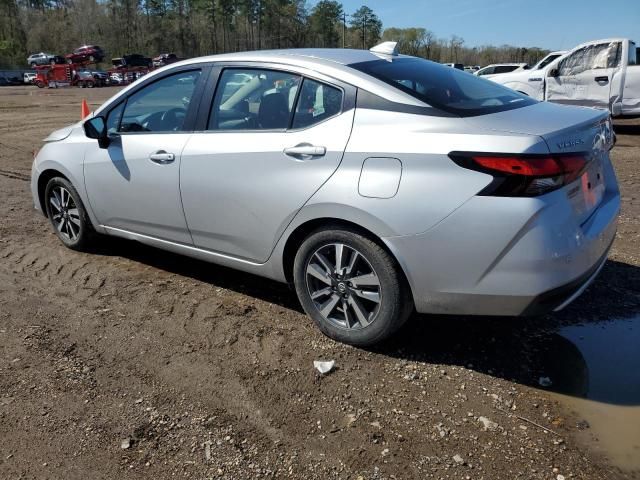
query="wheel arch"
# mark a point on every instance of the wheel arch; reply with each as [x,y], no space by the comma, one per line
[43,179]
[302,231]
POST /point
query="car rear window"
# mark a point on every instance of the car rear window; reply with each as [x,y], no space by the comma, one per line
[446,88]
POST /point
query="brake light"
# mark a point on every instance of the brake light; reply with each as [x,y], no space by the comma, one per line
[524,175]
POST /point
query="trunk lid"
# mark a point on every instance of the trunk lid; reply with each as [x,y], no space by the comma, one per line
[565,130]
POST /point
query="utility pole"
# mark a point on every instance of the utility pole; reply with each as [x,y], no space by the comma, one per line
[364,31]
[344,29]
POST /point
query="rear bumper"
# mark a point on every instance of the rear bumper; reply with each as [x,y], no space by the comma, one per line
[499,256]
[558,298]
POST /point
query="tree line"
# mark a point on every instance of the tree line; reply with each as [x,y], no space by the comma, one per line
[192,28]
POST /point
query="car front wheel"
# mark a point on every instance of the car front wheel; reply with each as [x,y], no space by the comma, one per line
[67,214]
[351,287]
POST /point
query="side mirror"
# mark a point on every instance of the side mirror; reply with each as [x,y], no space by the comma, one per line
[554,72]
[96,128]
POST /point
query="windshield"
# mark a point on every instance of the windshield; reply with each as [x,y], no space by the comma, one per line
[446,88]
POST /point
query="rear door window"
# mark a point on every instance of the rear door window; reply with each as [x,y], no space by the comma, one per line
[254,99]
[316,103]
[486,71]
[505,68]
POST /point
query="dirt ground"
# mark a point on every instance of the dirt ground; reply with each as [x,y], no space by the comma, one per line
[204,372]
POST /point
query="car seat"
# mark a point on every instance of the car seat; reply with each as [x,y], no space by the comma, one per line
[273,112]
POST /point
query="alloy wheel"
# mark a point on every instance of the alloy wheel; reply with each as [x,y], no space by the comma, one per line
[343,286]
[64,213]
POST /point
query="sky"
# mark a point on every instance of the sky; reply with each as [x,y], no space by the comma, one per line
[550,24]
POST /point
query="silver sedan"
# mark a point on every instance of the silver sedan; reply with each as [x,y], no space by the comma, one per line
[376,183]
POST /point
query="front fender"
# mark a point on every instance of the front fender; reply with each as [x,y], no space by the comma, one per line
[45,165]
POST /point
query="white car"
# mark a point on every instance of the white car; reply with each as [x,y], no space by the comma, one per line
[499,68]
[530,81]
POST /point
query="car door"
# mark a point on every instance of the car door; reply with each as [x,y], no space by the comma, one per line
[585,76]
[133,185]
[271,139]
[631,91]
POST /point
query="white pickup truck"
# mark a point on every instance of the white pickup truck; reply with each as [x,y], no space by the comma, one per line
[602,74]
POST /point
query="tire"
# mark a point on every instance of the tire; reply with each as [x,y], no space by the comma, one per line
[89,84]
[360,316]
[74,227]
[33,65]
[39,84]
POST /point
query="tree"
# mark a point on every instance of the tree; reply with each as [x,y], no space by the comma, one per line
[12,35]
[197,27]
[324,19]
[367,25]
[455,45]
[411,41]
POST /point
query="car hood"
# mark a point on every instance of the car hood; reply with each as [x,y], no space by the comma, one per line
[62,133]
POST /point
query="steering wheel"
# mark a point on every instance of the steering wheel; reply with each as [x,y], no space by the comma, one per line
[172,119]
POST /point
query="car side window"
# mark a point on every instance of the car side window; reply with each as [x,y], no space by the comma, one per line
[114,117]
[591,57]
[160,106]
[634,54]
[253,99]
[486,71]
[316,102]
[504,69]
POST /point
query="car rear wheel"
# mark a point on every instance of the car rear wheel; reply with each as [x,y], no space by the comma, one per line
[351,287]
[67,214]
[39,84]
[89,84]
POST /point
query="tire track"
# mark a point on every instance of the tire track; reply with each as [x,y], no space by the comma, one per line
[15,175]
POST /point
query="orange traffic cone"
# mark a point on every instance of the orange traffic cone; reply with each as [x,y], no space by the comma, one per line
[84,110]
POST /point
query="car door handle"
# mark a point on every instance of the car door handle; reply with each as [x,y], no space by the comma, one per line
[305,150]
[535,79]
[161,157]
[602,79]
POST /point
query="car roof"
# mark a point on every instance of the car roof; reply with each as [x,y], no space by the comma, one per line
[342,56]
[324,62]
[505,65]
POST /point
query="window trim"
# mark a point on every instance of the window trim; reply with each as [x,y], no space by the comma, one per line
[194,104]
[206,104]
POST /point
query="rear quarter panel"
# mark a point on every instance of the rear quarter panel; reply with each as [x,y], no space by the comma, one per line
[431,187]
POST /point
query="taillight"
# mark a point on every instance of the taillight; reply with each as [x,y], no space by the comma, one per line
[524,175]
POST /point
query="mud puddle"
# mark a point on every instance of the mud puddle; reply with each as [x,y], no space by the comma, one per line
[595,371]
